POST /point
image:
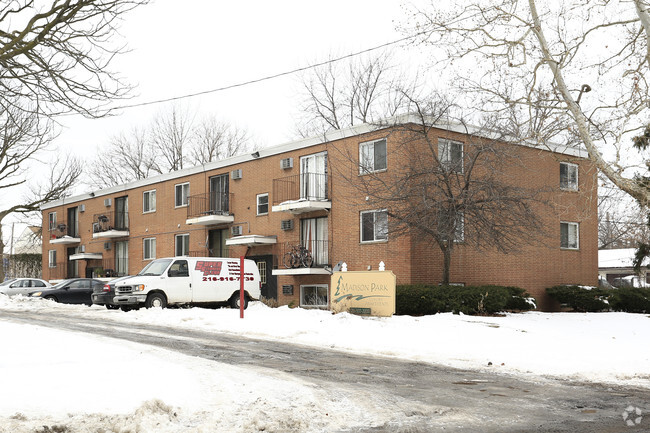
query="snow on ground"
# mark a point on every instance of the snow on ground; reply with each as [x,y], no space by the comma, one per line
[45,373]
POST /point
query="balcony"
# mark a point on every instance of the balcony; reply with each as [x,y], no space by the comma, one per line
[58,271]
[209,209]
[305,192]
[109,268]
[315,257]
[110,225]
[63,234]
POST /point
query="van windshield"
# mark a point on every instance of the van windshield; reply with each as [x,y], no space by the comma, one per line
[155,268]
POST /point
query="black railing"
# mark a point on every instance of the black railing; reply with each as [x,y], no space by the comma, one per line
[109,268]
[103,222]
[305,186]
[211,203]
[318,251]
[62,229]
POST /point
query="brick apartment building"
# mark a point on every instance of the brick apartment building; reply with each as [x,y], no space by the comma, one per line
[261,205]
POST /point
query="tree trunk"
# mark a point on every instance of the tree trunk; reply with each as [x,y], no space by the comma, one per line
[2,255]
[446,263]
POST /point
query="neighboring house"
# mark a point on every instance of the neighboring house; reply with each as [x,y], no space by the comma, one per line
[261,205]
[29,241]
[615,266]
[26,259]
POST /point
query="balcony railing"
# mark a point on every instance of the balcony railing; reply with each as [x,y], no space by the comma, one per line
[304,186]
[58,271]
[62,229]
[111,221]
[319,251]
[209,204]
[109,268]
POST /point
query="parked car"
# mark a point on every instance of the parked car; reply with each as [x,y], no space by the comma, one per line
[72,291]
[104,295]
[22,286]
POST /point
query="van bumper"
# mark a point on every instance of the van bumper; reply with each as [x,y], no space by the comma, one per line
[129,299]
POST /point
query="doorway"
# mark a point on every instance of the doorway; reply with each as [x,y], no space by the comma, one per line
[269,281]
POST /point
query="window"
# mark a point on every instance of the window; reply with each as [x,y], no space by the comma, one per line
[374,226]
[570,235]
[182,192]
[261,266]
[450,155]
[569,176]
[149,248]
[262,204]
[314,295]
[460,227]
[52,258]
[372,156]
[314,237]
[52,220]
[149,201]
[179,269]
[182,243]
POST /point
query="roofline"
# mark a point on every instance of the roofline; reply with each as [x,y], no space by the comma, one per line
[328,136]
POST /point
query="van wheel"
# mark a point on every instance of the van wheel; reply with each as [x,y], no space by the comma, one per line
[234,301]
[156,300]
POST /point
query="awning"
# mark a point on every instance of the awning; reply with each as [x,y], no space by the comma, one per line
[252,240]
[86,256]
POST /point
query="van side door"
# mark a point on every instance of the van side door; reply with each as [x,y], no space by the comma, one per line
[179,283]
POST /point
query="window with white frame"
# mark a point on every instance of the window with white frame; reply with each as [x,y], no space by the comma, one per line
[182,192]
[372,156]
[262,204]
[52,220]
[51,258]
[182,245]
[450,155]
[570,235]
[314,295]
[149,201]
[149,248]
[374,226]
[569,176]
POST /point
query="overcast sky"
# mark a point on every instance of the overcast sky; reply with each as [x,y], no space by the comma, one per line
[205,45]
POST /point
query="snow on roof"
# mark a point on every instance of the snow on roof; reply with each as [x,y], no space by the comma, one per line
[617,258]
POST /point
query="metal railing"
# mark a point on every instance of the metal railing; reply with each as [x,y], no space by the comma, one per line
[57,272]
[304,186]
[319,251]
[103,222]
[108,268]
[62,229]
[211,203]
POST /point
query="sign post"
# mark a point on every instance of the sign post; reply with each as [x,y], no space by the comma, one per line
[241,287]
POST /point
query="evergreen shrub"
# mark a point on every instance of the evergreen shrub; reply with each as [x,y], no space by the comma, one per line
[418,300]
[630,300]
[580,298]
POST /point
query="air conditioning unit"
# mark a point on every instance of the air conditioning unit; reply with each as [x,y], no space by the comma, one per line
[107,245]
[82,208]
[82,248]
[236,230]
[286,225]
[286,163]
[236,174]
[108,202]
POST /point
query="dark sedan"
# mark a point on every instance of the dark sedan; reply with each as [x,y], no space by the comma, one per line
[72,291]
[104,295]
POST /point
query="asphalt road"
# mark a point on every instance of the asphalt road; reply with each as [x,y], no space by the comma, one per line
[425,397]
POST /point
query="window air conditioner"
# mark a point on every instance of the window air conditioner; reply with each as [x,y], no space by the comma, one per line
[107,202]
[286,225]
[82,248]
[82,208]
[236,174]
[236,230]
[107,245]
[286,163]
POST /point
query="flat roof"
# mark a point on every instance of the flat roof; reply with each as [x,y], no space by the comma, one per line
[328,136]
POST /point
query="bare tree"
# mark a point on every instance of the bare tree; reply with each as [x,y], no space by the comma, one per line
[338,95]
[448,192]
[587,60]
[57,55]
[214,140]
[129,157]
[170,135]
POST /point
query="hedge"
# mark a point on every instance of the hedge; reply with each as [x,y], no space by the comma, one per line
[630,300]
[581,298]
[418,300]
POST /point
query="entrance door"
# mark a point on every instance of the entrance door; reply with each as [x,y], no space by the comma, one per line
[219,191]
[73,222]
[313,236]
[73,265]
[269,281]
[217,243]
[313,177]
[122,258]
[122,213]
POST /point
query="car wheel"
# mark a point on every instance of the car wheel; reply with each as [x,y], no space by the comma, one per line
[156,300]
[51,298]
[234,301]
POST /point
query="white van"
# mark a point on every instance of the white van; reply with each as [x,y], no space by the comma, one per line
[189,280]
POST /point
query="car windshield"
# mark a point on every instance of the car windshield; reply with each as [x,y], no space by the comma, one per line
[61,284]
[155,268]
